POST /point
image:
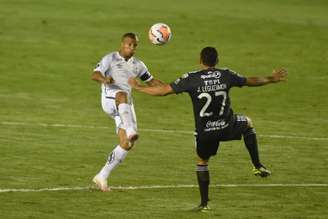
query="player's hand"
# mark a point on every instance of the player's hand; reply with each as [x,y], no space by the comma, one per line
[108,80]
[133,82]
[279,75]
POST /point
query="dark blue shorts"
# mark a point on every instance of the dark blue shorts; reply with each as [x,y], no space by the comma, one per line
[207,144]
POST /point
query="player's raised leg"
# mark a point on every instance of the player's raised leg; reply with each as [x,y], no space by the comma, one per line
[251,144]
[126,114]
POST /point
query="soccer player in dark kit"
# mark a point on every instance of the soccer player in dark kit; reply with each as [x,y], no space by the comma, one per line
[215,121]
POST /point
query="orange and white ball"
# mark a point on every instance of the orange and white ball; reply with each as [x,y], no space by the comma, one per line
[160,34]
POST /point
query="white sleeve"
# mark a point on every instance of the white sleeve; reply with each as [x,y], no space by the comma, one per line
[103,66]
[143,73]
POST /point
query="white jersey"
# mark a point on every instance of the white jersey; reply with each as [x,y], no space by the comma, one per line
[114,65]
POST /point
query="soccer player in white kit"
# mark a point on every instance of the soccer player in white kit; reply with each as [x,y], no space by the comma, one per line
[113,72]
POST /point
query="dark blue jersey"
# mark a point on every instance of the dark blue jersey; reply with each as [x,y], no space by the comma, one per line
[209,92]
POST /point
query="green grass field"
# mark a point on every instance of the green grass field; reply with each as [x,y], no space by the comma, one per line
[53,133]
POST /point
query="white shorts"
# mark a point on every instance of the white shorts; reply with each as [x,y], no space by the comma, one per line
[109,106]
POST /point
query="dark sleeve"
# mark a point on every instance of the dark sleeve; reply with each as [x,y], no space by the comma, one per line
[237,80]
[182,84]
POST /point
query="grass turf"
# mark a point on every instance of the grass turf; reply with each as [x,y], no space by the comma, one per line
[48,50]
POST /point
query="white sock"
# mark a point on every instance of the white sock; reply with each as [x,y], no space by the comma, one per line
[114,159]
[125,112]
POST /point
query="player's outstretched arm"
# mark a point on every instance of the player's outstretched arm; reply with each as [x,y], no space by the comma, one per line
[278,75]
[156,89]
[155,82]
[97,76]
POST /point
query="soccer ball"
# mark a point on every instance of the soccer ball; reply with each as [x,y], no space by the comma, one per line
[160,34]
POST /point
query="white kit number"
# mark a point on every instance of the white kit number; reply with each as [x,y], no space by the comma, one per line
[208,97]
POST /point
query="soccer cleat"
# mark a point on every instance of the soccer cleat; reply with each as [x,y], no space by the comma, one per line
[261,171]
[101,183]
[202,208]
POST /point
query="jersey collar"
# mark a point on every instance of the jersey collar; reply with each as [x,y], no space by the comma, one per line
[123,59]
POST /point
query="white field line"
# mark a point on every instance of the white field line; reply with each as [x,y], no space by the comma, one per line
[151,187]
[6,123]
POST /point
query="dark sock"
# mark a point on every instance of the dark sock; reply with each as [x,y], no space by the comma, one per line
[251,145]
[203,178]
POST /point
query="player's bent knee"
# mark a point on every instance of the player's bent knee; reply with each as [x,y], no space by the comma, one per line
[121,97]
[249,122]
[126,144]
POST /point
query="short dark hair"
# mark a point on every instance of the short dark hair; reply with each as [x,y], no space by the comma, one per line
[209,56]
[130,35]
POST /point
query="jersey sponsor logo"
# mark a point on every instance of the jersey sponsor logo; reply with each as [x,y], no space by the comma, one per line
[215,125]
[210,74]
